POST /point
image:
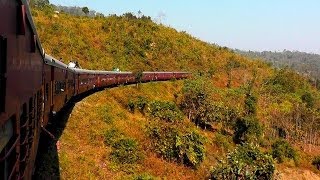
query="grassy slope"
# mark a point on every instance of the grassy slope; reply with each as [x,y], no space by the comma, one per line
[130,44]
[136,44]
[82,142]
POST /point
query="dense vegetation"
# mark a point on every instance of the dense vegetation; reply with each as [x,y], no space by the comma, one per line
[236,118]
[305,63]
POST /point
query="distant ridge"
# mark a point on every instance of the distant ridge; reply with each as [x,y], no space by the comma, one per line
[305,63]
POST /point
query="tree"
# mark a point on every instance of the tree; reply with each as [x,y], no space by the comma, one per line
[250,104]
[232,64]
[318,84]
[85,10]
[316,162]
[245,162]
[308,99]
[196,102]
[139,14]
[281,150]
[247,129]
[39,3]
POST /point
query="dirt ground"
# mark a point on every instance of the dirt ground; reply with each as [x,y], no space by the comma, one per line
[297,174]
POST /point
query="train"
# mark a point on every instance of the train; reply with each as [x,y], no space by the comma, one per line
[34,86]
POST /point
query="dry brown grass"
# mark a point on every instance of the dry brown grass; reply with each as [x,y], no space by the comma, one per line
[83,154]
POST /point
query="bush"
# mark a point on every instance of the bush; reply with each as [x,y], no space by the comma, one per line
[285,81]
[197,104]
[281,150]
[187,148]
[138,76]
[111,136]
[191,149]
[308,99]
[250,104]
[247,129]
[141,103]
[166,111]
[125,151]
[223,141]
[208,113]
[106,115]
[316,162]
[194,94]
[131,106]
[245,162]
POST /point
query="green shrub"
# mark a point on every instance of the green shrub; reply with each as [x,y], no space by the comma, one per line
[131,106]
[187,148]
[245,162]
[138,76]
[250,104]
[285,81]
[197,104]
[192,149]
[207,113]
[166,111]
[316,162]
[106,115]
[141,103]
[308,99]
[318,84]
[125,151]
[247,129]
[223,141]
[281,150]
[111,136]
[194,94]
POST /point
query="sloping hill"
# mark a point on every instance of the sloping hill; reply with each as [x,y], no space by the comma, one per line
[175,130]
[127,42]
[305,63]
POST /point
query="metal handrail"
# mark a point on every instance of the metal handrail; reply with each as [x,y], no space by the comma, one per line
[13,169]
[11,149]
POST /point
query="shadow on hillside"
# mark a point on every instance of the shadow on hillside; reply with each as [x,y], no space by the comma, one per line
[47,161]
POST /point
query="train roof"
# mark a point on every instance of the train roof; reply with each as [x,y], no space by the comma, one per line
[86,71]
[33,27]
[54,62]
[163,72]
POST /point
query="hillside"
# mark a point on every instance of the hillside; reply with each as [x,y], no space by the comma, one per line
[127,42]
[233,106]
[305,63]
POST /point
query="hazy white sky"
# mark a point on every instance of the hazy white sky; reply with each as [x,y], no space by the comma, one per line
[243,24]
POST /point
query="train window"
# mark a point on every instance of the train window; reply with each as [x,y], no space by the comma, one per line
[33,43]
[59,87]
[21,19]
[6,132]
[8,156]
[3,70]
